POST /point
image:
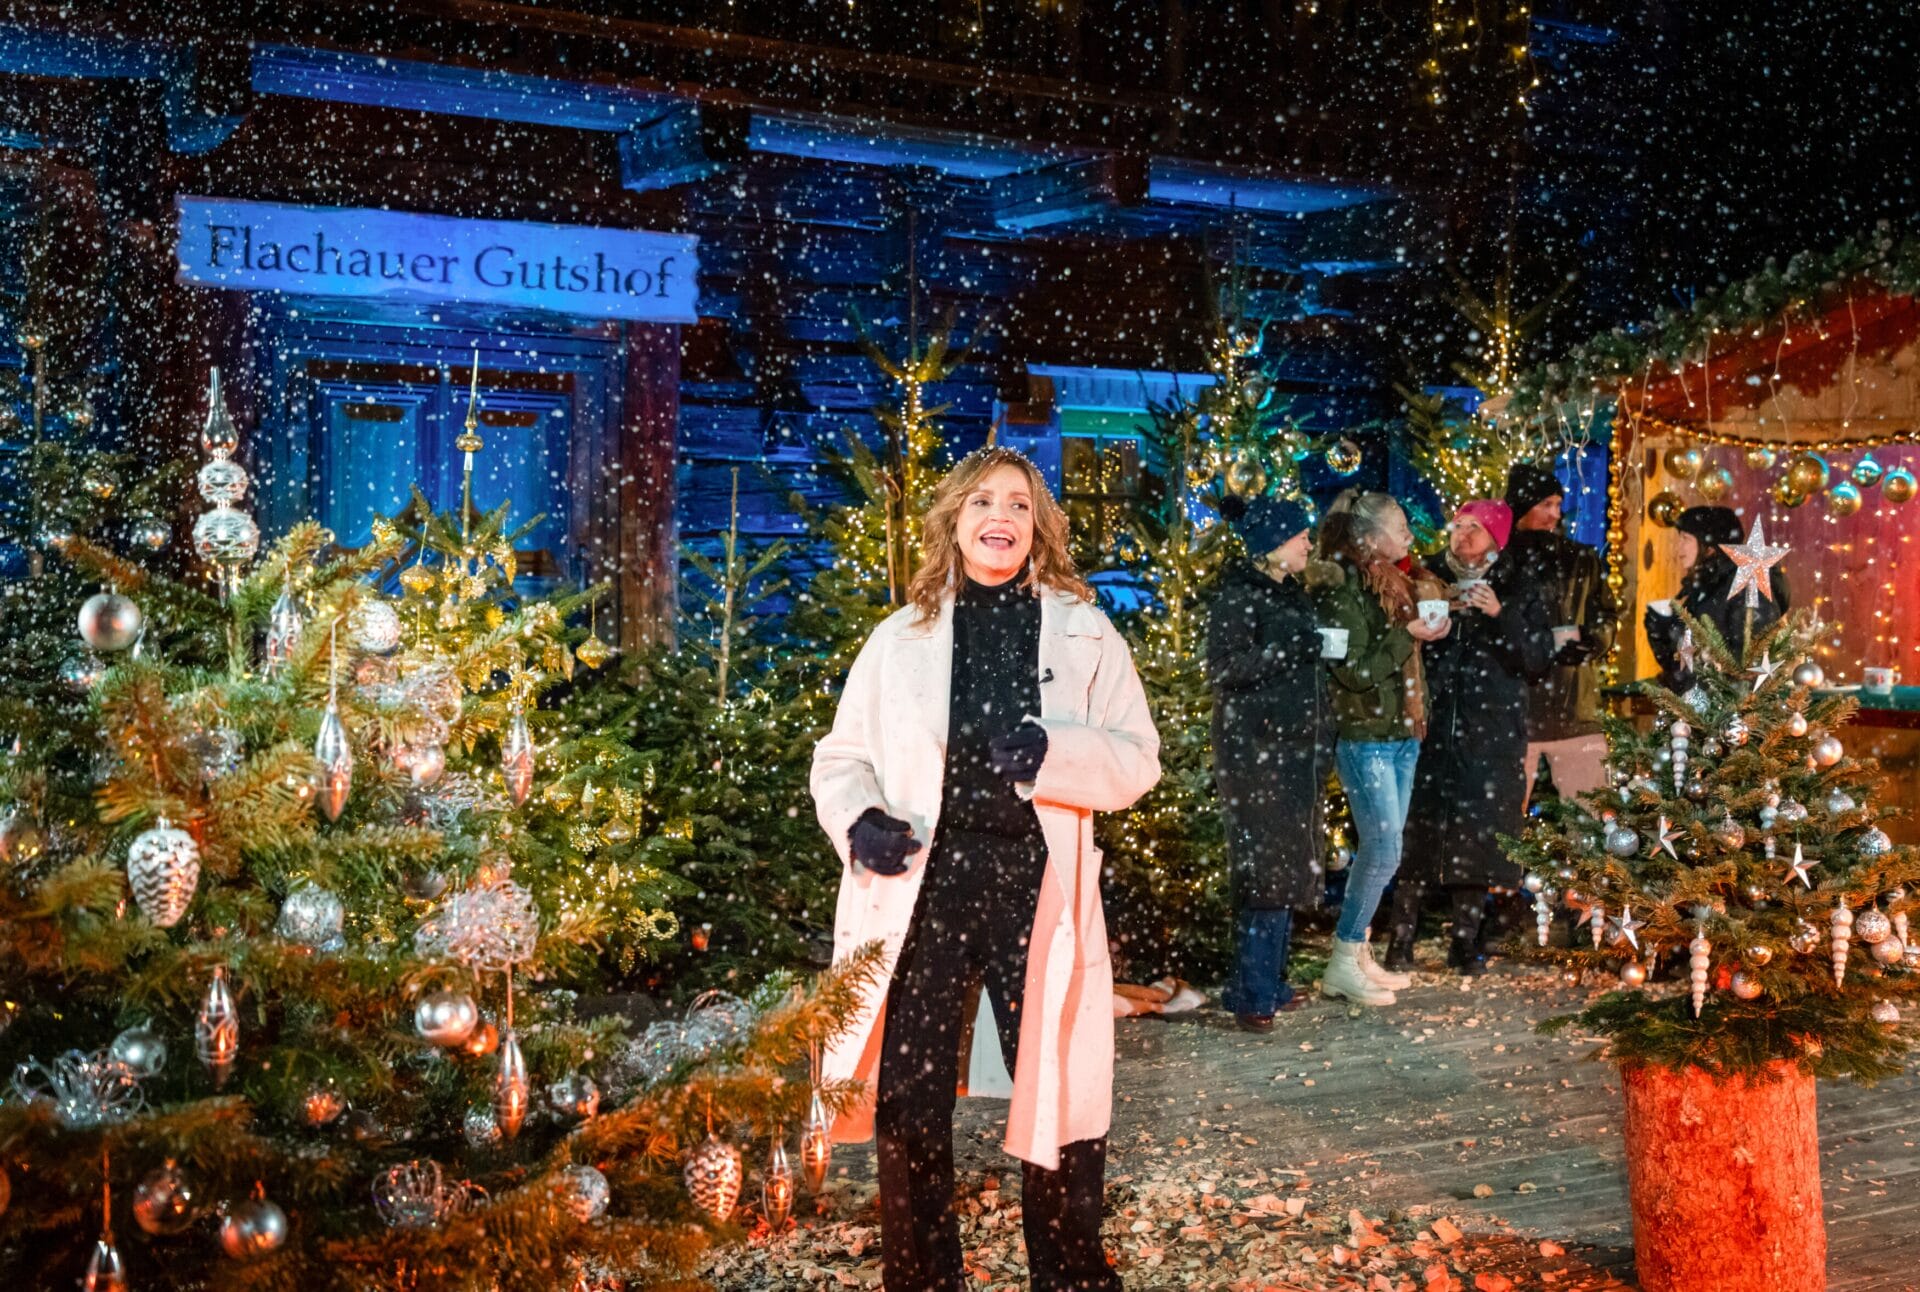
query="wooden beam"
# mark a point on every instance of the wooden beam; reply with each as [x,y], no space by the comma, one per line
[1034,199]
[209,91]
[685,145]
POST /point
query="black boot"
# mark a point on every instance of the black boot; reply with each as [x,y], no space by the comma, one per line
[1469,916]
[1400,950]
[1407,897]
[1464,954]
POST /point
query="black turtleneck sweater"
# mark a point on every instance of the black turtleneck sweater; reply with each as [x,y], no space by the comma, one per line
[996,671]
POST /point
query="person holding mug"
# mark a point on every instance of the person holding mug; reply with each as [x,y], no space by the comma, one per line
[1388,609]
[1272,744]
[1468,788]
[981,727]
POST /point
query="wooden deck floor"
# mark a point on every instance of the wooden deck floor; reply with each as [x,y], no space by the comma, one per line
[1417,1105]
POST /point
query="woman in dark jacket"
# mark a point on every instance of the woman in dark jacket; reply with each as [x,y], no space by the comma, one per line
[1470,784]
[1707,578]
[1272,745]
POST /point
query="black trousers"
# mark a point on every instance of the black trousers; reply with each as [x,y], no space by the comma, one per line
[970,927]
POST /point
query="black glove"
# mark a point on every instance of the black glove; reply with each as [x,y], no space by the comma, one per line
[1018,754]
[881,843]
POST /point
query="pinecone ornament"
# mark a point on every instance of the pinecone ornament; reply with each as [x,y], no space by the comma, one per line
[163,866]
[714,1175]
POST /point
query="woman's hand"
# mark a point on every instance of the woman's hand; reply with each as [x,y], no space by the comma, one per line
[881,843]
[1018,754]
[1423,631]
[1483,598]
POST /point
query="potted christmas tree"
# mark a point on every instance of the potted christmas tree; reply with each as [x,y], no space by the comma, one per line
[1740,847]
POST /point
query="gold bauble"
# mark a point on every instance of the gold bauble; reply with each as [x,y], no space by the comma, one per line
[1808,474]
[1344,456]
[1843,499]
[1760,458]
[1246,476]
[1685,464]
[1714,484]
[1785,494]
[417,579]
[593,652]
[1866,472]
[1897,485]
[1664,508]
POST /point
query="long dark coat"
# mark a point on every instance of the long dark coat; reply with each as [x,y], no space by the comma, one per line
[1469,786]
[1272,737]
[1704,594]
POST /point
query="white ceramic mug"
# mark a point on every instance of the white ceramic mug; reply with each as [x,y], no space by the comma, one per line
[1434,612]
[1879,679]
[1565,634]
[1333,643]
[1661,608]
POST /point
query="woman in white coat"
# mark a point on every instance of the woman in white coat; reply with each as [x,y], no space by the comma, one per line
[981,727]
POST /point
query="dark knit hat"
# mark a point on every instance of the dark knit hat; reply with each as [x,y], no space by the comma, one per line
[1711,525]
[1264,523]
[1529,485]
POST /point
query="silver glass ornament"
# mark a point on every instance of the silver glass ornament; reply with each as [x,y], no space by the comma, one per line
[1885,1013]
[1796,723]
[511,1093]
[1828,750]
[516,758]
[313,916]
[109,622]
[1758,954]
[164,1202]
[1532,883]
[1889,950]
[285,623]
[778,1187]
[334,753]
[1872,925]
[583,1191]
[426,764]
[218,435]
[81,673]
[1697,790]
[220,751]
[480,1130]
[1809,673]
[714,1176]
[446,1018]
[163,869]
[322,1106]
[255,1227]
[105,1270]
[1793,811]
[816,1144]
[83,1091]
[1745,985]
[216,1029]
[223,482]
[1622,841]
[141,1050]
[1875,843]
[1728,833]
[1633,974]
[575,1095]
[1735,732]
[150,532]
[20,839]
[410,1195]
[1805,938]
[374,627]
[226,537]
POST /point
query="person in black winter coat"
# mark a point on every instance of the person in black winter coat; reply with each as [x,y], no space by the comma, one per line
[1469,786]
[1706,581]
[1272,745]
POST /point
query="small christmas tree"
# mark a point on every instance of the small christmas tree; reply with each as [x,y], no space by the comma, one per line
[1740,840]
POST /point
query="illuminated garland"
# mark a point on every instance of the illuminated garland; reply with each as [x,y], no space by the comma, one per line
[1910,435]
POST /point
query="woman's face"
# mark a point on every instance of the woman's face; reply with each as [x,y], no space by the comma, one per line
[1393,539]
[1689,551]
[1291,556]
[1470,540]
[995,528]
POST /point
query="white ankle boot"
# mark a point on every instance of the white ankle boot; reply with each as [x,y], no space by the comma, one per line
[1383,977]
[1346,977]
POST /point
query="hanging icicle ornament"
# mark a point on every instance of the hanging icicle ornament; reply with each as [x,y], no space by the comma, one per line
[1840,929]
[1542,917]
[224,537]
[1679,736]
[1699,959]
[516,757]
[1596,916]
[777,1184]
[511,1090]
[331,748]
[163,870]
[105,1270]
[216,1030]
[285,623]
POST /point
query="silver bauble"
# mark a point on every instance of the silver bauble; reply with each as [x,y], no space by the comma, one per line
[218,435]
[575,1095]
[374,627]
[109,621]
[253,1228]
[1633,974]
[583,1191]
[778,1187]
[1872,925]
[106,1272]
[1886,1013]
[479,1129]
[1796,723]
[1839,802]
[1735,732]
[1889,950]
[20,839]
[164,1203]
[150,532]
[1805,938]
[334,753]
[511,1094]
[1911,960]
[426,764]
[1728,833]
[163,868]
[714,1176]
[1875,843]
[1828,750]
[410,1195]
[1533,883]
[223,482]
[516,759]
[1711,747]
[227,537]
[141,1050]
[1697,790]
[1622,842]
[81,673]
[1793,811]
[1809,673]
[220,751]
[322,1106]
[1745,985]
[816,1144]
[446,1018]
[312,916]
[1759,955]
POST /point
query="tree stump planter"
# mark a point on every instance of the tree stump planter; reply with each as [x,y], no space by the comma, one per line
[1724,1176]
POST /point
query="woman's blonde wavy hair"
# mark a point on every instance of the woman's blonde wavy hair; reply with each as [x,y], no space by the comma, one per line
[1050,566]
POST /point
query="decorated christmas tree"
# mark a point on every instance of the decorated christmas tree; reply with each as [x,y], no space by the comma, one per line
[1741,843]
[290,943]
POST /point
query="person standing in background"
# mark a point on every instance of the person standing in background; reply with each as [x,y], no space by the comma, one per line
[1272,745]
[1563,711]
[1702,535]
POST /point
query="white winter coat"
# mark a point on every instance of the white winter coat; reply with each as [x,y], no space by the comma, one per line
[888,750]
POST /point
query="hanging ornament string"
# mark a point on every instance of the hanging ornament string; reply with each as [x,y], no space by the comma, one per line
[469,443]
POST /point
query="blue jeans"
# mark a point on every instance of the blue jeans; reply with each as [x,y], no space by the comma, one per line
[1378,778]
[1259,983]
